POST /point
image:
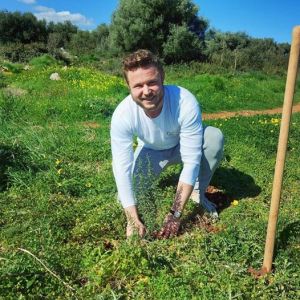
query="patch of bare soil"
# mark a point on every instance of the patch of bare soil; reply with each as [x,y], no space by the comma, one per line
[206,223]
[247,113]
[222,115]
[90,124]
[201,220]
[258,273]
[221,200]
[14,92]
[218,197]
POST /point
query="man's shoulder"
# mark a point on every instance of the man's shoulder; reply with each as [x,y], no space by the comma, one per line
[123,105]
[180,95]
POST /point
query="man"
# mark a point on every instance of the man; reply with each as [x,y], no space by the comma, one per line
[167,122]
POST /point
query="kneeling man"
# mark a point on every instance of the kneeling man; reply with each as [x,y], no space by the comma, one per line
[167,122]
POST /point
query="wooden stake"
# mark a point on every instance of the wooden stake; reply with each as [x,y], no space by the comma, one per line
[282,146]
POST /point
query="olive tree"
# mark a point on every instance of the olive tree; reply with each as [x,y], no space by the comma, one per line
[155,24]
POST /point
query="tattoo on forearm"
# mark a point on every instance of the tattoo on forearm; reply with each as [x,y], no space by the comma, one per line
[178,197]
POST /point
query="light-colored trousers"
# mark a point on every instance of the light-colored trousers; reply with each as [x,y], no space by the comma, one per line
[148,163]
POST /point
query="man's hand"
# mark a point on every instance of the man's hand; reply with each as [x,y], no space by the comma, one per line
[171,223]
[135,227]
[170,227]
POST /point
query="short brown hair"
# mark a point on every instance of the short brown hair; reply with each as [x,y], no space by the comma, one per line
[140,59]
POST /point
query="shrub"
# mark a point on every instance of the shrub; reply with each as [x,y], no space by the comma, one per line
[148,24]
[17,52]
[181,45]
[14,68]
[43,61]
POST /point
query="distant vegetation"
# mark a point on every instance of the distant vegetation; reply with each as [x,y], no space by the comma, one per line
[172,29]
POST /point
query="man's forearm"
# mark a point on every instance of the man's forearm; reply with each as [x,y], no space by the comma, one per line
[131,214]
[183,193]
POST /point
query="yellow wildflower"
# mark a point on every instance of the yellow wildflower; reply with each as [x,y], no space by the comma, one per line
[143,280]
[275,121]
[234,202]
[59,171]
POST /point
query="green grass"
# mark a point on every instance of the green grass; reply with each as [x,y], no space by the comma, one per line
[57,197]
[43,61]
[233,91]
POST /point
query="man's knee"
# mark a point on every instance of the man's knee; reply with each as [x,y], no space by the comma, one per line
[213,141]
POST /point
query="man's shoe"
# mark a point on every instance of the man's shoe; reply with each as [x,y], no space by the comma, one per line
[208,206]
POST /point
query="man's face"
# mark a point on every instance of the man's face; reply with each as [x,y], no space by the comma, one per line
[146,88]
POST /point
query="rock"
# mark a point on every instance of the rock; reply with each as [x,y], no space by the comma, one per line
[54,76]
[26,67]
[65,56]
[4,69]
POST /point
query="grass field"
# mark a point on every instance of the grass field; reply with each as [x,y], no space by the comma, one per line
[59,212]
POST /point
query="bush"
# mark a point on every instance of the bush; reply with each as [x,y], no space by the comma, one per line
[110,65]
[14,68]
[148,24]
[43,61]
[17,52]
[181,45]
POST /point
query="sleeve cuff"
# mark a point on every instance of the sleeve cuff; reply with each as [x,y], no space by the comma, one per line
[126,197]
[189,173]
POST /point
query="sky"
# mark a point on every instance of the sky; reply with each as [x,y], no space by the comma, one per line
[257,18]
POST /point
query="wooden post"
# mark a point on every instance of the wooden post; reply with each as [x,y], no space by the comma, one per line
[281,151]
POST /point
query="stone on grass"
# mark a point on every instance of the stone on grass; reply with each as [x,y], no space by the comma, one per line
[54,76]
[4,69]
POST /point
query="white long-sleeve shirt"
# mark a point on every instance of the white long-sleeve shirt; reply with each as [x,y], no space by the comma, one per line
[179,122]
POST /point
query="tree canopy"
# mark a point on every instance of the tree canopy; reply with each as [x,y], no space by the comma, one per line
[151,24]
[23,28]
[172,29]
